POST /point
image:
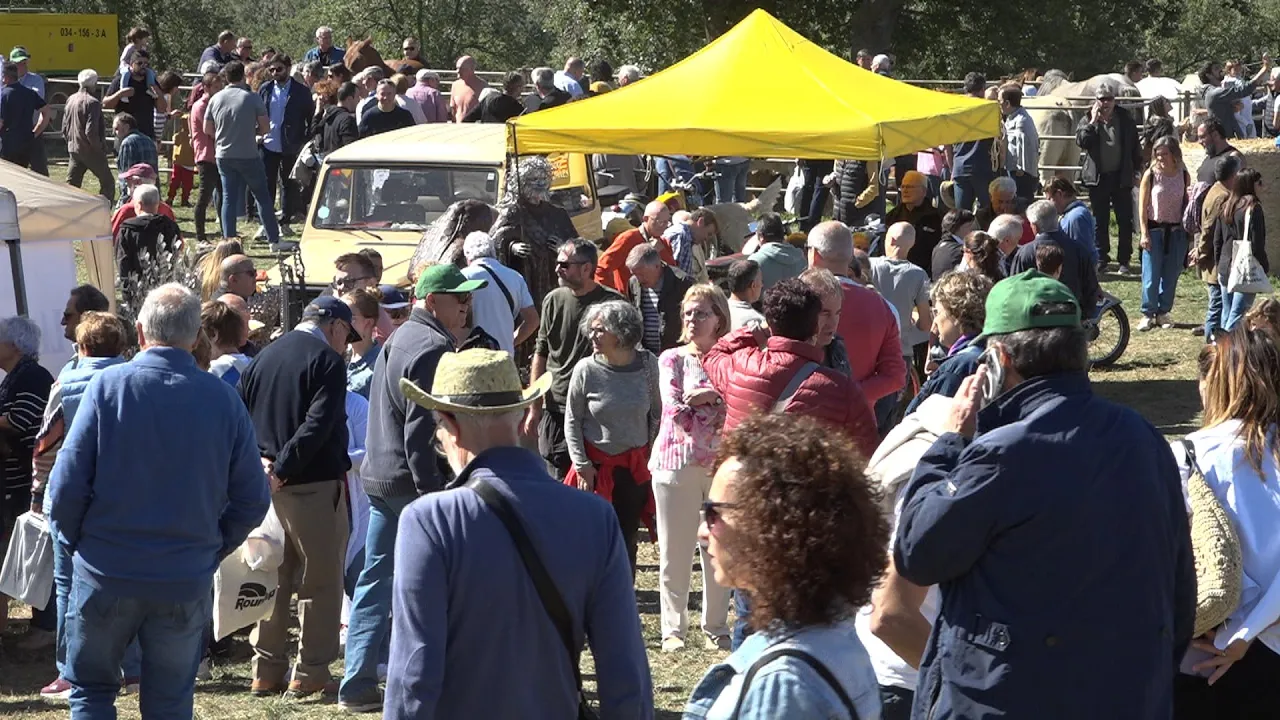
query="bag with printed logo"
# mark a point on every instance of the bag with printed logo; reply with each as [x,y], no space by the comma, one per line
[245,585]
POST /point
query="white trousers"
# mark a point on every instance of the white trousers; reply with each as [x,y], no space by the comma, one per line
[679,495]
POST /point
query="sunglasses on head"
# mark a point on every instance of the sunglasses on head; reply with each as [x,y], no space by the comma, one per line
[711,514]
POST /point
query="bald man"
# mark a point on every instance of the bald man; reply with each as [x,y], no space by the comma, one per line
[239,276]
[906,287]
[570,79]
[612,270]
[913,207]
[464,95]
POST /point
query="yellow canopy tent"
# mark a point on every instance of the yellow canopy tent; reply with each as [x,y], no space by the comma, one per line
[760,90]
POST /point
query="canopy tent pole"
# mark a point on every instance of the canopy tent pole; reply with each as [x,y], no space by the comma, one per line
[10,234]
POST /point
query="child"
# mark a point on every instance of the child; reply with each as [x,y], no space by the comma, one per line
[139,39]
[1049,259]
[184,161]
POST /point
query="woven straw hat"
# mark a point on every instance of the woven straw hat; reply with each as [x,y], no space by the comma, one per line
[483,382]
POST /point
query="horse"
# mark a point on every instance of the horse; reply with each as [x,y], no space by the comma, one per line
[362,54]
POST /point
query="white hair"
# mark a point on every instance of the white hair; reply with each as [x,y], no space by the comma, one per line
[630,72]
[1003,185]
[879,62]
[209,66]
[323,29]
[424,75]
[147,197]
[1006,228]
[22,333]
[544,77]
[642,255]
[88,79]
[170,316]
[1043,216]
[477,245]
[361,76]
[832,240]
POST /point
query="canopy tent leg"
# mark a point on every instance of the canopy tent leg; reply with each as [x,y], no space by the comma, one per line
[19,281]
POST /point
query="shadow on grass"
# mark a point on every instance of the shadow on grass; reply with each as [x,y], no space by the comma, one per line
[1173,406]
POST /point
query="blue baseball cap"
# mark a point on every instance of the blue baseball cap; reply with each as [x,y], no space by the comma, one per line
[328,307]
[393,298]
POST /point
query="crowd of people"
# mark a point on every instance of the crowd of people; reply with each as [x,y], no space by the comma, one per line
[887,457]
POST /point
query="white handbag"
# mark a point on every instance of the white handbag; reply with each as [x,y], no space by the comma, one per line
[795,190]
[27,574]
[1247,275]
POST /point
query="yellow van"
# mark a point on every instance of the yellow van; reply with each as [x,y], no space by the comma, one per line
[383,191]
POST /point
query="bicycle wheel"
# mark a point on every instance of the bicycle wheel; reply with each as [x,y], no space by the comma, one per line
[1109,337]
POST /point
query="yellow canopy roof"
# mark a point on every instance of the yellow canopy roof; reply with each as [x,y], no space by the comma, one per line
[760,90]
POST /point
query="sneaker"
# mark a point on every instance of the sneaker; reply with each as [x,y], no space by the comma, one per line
[131,686]
[719,642]
[58,691]
[37,639]
[366,702]
[261,234]
[1146,324]
[284,246]
[1124,270]
[1165,321]
[203,672]
[286,230]
[671,643]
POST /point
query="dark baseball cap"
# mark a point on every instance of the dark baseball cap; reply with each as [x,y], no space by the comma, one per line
[328,307]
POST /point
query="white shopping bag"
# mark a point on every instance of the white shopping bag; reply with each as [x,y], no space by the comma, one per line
[1247,275]
[27,574]
[245,586]
[795,191]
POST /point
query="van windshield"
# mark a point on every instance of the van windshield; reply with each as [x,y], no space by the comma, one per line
[398,198]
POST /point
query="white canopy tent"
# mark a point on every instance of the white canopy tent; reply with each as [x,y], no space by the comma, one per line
[52,217]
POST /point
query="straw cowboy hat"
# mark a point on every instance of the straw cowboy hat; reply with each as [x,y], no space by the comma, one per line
[482,382]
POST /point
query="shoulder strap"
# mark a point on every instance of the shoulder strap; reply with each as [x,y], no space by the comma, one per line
[1192,462]
[511,303]
[552,601]
[790,390]
[804,657]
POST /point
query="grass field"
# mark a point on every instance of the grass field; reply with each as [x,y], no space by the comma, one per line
[1156,377]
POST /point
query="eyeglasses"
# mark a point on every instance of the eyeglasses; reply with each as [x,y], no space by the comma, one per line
[566,264]
[594,331]
[1106,99]
[711,514]
[398,313]
[696,315]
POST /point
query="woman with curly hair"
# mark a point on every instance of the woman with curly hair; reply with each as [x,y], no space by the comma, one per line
[683,454]
[792,518]
[959,311]
[982,255]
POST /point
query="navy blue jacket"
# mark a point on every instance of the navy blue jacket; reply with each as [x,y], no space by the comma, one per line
[1059,540]
[946,380]
[1079,270]
[298,110]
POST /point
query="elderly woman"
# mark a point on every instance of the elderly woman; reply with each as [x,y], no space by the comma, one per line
[792,517]
[685,449]
[959,311]
[612,414]
[1230,670]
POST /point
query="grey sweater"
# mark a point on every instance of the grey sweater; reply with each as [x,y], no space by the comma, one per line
[614,408]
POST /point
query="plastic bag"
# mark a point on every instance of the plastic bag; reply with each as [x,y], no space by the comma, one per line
[27,574]
[245,585]
[795,191]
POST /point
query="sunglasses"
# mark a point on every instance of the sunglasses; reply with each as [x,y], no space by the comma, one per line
[348,281]
[566,264]
[711,514]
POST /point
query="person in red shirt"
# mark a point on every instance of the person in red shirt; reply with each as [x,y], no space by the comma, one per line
[867,324]
[140,174]
[612,271]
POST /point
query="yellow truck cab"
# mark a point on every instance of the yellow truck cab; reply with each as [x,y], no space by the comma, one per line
[383,191]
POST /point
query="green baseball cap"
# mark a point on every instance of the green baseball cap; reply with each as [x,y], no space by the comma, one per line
[1028,301]
[445,278]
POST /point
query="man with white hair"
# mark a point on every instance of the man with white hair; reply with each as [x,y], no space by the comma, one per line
[1079,273]
[657,290]
[464,94]
[881,65]
[628,74]
[1108,135]
[472,563]
[324,52]
[86,134]
[1007,230]
[867,324]
[546,94]
[143,238]
[426,92]
[142,545]
[504,308]
[570,79]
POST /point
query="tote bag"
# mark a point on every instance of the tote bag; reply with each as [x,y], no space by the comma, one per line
[1246,274]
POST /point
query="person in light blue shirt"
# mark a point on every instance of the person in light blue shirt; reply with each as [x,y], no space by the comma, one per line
[804,660]
[1074,218]
[158,480]
[570,79]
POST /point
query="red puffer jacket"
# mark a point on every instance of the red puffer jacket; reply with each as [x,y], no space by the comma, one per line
[750,379]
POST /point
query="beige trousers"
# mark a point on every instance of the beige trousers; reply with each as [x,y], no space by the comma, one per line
[679,495]
[314,517]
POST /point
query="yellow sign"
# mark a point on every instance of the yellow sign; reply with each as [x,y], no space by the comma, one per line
[64,44]
[559,168]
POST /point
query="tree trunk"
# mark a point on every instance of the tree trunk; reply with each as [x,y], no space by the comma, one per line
[873,25]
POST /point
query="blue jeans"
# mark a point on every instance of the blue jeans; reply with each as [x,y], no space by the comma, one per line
[742,612]
[669,170]
[731,183]
[99,626]
[369,626]
[1213,315]
[131,665]
[237,175]
[1161,266]
[971,189]
[1234,306]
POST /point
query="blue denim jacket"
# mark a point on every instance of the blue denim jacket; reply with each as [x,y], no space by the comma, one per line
[788,687]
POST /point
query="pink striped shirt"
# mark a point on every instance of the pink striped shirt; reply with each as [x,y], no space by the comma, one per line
[687,434]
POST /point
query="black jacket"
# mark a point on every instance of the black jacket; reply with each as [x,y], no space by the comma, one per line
[555,98]
[377,121]
[495,109]
[399,460]
[1089,140]
[338,129]
[298,109]
[927,221]
[1079,273]
[296,392]
[674,286]
[1226,233]
[947,256]
[143,233]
